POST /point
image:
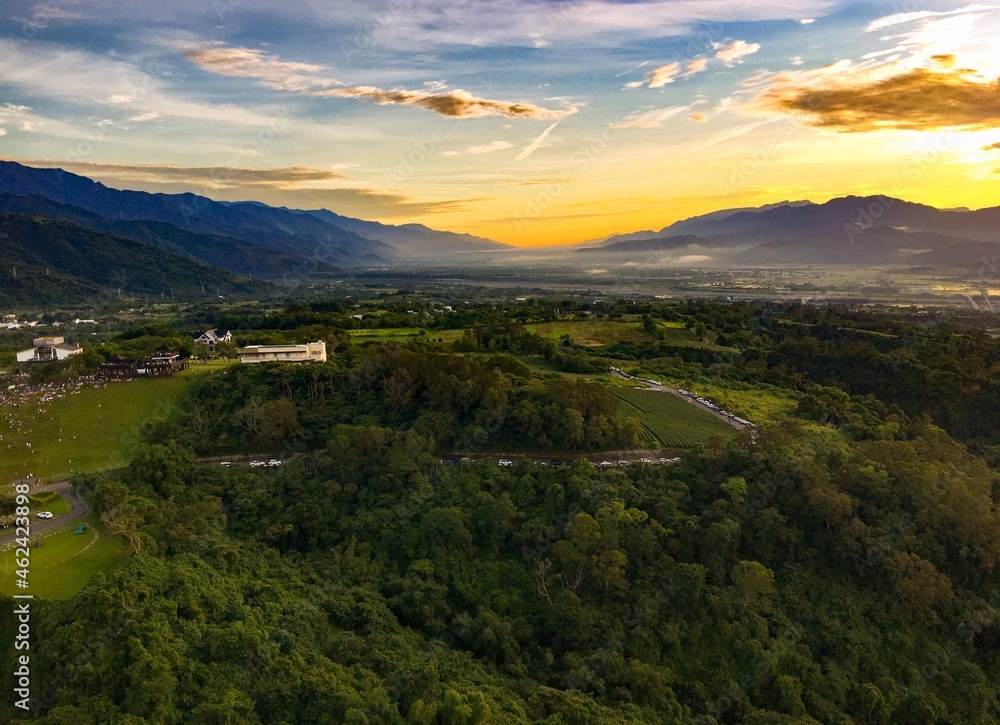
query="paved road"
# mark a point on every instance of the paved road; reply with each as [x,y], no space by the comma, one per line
[78,509]
[688,398]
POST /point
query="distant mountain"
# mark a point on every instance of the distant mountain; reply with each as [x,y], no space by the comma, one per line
[320,238]
[878,245]
[48,260]
[411,240]
[686,226]
[227,253]
[840,215]
[848,230]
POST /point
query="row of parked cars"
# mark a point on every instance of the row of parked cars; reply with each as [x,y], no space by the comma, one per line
[506,462]
[704,401]
[274,462]
[715,407]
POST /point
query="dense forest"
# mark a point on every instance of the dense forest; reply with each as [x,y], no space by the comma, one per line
[837,566]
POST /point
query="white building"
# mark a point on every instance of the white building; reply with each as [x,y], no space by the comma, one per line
[309,352]
[49,349]
[211,338]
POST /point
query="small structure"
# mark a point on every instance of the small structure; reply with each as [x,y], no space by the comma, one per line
[49,349]
[211,338]
[161,364]
[309,352]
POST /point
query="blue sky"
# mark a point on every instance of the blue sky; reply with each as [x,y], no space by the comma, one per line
[529,122]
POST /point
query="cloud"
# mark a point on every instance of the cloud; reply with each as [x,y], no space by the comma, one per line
[287,186]
[296,77]
[482,149]
[734,51]
[271,71]
[807,21]
[653,118]
[698,65]
[533,146]
[992,147]
[797,60]
[698,117]
[212,177]
[902,18]
[659,77]
[51,71]
[844,98]
[455,104]
[664,74]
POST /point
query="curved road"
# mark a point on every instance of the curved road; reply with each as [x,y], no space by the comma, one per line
[78,509]
[689,398]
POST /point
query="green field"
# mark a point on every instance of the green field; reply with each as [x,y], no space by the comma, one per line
[63,563]
[97,429]
[403,334]
[667,421]
[591,333]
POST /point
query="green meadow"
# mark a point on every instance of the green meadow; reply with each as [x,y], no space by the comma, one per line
[63,563]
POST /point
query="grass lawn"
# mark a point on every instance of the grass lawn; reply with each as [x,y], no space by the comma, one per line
[63,563]
[591,333]
[97,429]
[403,334]
[669,422]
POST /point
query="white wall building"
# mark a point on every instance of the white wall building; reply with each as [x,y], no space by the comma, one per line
[309,352]
[49,349]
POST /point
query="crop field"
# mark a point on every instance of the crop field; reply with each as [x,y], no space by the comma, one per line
[591,333]
[668,422]
[63,563]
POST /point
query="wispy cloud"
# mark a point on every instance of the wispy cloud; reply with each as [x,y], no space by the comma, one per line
[734,51]
[533,146]
[665,74]
[653,118]
[920,15]
[297,77]
[214,177]
[487,148]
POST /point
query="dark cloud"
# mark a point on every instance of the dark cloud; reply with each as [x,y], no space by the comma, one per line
[914,99]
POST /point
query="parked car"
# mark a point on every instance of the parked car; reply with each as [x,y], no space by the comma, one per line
[506,462]
[274,462]
[226,463]
[44,514]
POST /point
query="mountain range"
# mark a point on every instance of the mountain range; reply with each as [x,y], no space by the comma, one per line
[242,237]
[846,230]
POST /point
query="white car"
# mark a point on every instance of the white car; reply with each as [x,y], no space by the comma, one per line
[257,464]
[226,463]
[505,462]
[274,462]
[44,514]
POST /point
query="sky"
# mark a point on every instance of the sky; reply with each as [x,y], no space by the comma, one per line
[531,122]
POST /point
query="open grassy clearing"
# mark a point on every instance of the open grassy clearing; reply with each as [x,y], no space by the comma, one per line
[760,404]
[667,421]
[96,429]
[591,333]
[64,562]
[403,334]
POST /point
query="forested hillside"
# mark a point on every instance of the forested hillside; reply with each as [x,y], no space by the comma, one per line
[837,564]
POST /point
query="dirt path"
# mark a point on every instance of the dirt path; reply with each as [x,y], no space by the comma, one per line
[78,509]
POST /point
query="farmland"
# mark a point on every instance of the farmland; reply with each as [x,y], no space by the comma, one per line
[668,422]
